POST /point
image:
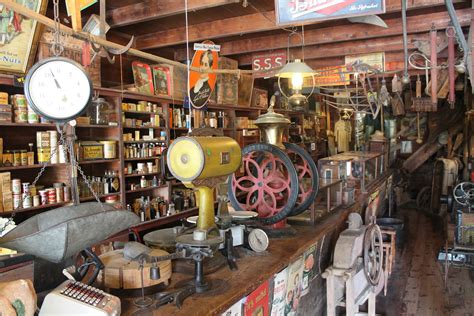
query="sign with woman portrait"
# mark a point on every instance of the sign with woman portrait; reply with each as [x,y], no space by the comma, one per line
[201,84]
[19,36]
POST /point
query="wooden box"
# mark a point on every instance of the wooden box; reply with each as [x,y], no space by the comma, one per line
[227,84]
[179,84]
[245,90]
[259,98]
[72,50]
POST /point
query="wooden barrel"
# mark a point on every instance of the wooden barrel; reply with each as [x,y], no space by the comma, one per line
[121,273]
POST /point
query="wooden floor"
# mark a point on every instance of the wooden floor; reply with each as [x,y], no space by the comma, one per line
[416,286]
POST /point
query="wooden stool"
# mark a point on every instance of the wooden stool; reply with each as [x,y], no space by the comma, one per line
[389,250]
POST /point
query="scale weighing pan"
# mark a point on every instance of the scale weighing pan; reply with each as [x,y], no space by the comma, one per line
[193,219]
[61,233]
[243,214]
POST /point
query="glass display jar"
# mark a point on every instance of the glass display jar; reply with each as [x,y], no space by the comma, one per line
[99,112]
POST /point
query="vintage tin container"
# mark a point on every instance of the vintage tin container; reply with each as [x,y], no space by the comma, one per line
[16,201]
[24,157]
[16,158]
[44,154]
[43,139]
[16,186]
[19,101]
[110,149]
[3,98]
[90,150]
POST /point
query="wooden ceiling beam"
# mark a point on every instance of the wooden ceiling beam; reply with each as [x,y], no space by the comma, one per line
[151,10]
[340,33]
[385,44]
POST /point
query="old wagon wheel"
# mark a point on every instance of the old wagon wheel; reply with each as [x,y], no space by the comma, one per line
[373,254]
[268,186]
[464,193]
[308,177]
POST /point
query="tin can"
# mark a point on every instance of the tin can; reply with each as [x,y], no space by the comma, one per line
[33,190]
[59,194]
[42,139]
[67,194]
[3,98]
[7,158]
[51,192]
[137,135]
[24,157]
[16,158]
[36,200]
[16,201]
[19,101]
[112,199]
[26,187]
[110,151]
[32,116]
[44,197]
[27,200]
[21,116]
[16,186]
[53,144]
[44,154]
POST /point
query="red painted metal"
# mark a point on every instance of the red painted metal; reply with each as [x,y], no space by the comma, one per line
[451,74]
[266,182]
[434,67]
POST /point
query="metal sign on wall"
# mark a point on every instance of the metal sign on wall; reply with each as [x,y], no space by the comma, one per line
[328,76]
[374,60]
[266,64]
[304,11]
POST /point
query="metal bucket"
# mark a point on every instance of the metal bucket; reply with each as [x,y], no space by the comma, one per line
[390,128]
[394,223]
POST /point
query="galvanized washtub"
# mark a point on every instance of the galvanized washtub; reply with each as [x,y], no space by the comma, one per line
[61,233]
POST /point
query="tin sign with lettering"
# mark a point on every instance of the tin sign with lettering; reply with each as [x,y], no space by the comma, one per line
[267,64]
[304,11]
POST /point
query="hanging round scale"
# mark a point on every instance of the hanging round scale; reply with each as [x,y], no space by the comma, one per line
[58,89]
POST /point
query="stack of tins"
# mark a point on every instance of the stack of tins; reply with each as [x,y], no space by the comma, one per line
[5,108]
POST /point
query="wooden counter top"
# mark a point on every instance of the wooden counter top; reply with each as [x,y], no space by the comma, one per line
[253,270]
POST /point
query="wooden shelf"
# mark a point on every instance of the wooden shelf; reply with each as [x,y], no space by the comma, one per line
[36,166]
[97,126]
[179,128]
[42,207]
[141,159]
[139,112]
[249,128]
[164,220]
[143,141]
[145,127]
[13,124]
[146,189]
[88,162]
[134,175]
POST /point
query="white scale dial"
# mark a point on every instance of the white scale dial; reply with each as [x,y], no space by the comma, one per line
[58,89]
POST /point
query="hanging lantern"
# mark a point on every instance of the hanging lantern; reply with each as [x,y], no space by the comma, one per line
[296,71]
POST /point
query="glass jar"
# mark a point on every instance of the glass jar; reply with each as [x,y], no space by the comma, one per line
[99,112]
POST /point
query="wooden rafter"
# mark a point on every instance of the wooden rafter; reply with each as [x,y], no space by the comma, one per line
[339,33]
[151,10]
[246,24]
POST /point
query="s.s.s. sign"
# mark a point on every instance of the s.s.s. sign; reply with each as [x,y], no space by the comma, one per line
[304,11]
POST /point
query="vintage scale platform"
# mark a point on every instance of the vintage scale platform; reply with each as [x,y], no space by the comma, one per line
[201,163]
[280,179]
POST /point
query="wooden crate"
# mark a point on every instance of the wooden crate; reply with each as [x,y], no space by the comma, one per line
[259,98]
[179,78]
[245,90]
[72,50]
[227,84]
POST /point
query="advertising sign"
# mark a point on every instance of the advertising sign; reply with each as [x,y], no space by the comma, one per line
[305,11]
[266,64]
[375,60]
[328,76]
[202,83]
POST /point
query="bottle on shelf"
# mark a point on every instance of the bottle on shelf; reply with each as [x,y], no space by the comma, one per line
[143,182]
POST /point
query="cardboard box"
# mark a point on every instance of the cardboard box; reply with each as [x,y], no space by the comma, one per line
[7,201]
[245,90]
[259,98]
[227,84]
[242,122]
[5,181]
[72,50]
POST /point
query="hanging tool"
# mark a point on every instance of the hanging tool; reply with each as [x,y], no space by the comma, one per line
[451,74]
[434,67]
[406,77]
[369,19]
[419,140]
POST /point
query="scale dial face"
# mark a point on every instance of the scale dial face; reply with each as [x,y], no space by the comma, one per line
[58,89]
[258,240]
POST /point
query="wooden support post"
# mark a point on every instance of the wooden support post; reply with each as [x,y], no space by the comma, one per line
[76,15]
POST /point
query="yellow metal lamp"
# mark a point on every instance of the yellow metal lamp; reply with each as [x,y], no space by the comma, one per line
[296,71]
[202,163]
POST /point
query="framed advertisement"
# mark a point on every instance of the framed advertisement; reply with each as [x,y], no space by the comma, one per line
[19,37]
[292,12]
[161,80]
[143,77]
